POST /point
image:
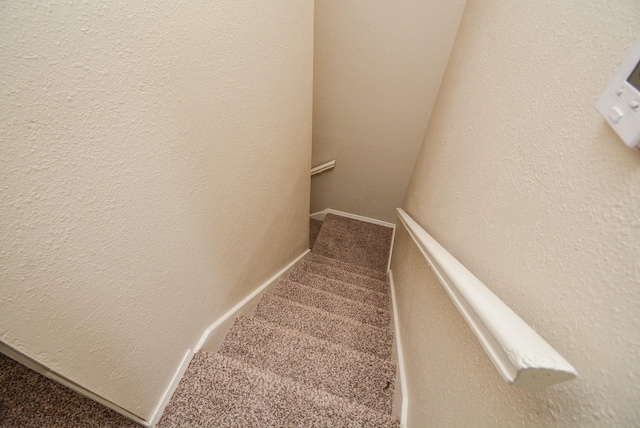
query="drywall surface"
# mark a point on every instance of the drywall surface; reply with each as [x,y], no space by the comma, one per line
[377,68]
[524,183]
[154,170]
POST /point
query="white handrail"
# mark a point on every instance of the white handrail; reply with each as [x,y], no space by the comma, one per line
[322,168]
[520,354]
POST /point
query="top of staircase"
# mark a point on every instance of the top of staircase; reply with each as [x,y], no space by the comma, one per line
[355,242]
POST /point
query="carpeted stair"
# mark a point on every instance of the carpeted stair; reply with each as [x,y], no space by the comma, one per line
[341,288]
[316,351]
[344,276]
[333,303]
[325,325]
[348,267]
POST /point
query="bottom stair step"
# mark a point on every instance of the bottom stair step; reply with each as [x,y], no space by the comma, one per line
[352,375]
[217,391]
[326,326]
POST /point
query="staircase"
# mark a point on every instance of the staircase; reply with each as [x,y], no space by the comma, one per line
[316,351]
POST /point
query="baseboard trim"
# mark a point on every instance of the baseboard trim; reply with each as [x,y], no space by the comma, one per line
[23,359]
[401,368]
[157,414]
[244,301]
[320,215]
[207,333]
[361,218]
[393,240]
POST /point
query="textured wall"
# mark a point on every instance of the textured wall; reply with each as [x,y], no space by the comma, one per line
[377,68]
[154,169]
[523,182]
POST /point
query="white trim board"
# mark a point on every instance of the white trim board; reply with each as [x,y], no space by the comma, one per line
[361,218]
[166,397]
[393,240]
[404,409]
[244,301]
[62,380]
[44,371]
[320,215]
[157,413]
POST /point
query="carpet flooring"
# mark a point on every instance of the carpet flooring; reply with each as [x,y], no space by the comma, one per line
[316,352]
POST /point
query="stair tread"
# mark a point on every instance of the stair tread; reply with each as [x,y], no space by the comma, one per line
[333,328]
[354,241]
[329,302]
[361,270]
[345,276]
[340,288]
[224,392]
[355,376]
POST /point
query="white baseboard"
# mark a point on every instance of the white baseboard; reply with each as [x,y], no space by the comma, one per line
[157,414]
[320,215]
[393,240]
[361,218]
[403,377]
[34,365]
[244,301]
[39,368]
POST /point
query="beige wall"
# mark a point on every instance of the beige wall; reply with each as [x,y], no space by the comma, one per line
[377,68]
[523,182]
[154,170]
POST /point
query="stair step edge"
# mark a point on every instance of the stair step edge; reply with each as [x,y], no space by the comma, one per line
[331,285]
[361,312]
[368,380]
[335,328]
[350,267]
[345,276]
[370,359]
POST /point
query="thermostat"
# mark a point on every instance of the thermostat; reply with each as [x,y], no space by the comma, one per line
[619,104]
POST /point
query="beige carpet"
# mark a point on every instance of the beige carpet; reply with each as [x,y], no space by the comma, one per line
[355,242]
